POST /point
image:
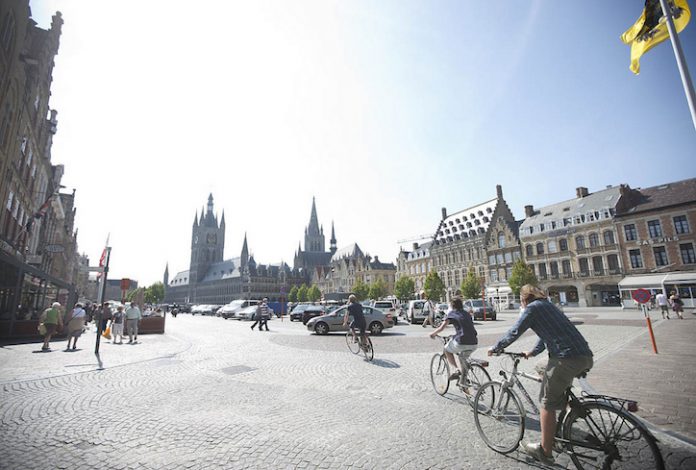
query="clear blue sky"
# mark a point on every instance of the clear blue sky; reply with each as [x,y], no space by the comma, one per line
[385,111]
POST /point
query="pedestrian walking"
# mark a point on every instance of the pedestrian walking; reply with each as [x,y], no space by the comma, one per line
[661,300]
[430,307]
[76,325]
[117,322]
[105,316]
[133,317]
[677,304]
[265,314]
[52,320]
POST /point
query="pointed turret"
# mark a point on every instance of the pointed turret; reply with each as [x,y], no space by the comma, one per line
[314,235]
[245,252]
[166,276]
[222,220]
[195,220]
[333,247]
[210,202]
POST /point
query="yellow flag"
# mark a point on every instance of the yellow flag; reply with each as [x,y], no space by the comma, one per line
[651,28]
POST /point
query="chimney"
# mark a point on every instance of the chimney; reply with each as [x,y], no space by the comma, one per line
[444,213]
[415,246]
[499,191]
[581,192]
[528,211]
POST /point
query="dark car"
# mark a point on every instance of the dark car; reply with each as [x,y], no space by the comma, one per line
[477,309]
[311,312]
[298,310]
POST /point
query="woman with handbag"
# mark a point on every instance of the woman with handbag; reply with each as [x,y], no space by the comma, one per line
[52,320]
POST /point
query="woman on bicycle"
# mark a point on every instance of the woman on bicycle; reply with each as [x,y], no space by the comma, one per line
[569,356]
[465,339]
[355,310]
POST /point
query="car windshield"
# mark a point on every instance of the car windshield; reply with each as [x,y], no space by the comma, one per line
[479,303]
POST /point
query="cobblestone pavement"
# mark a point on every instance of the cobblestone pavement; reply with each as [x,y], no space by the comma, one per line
[213,394]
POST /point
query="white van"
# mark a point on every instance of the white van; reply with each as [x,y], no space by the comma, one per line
[229,310]
[416,311]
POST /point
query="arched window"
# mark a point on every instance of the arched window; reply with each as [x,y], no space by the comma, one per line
[540,248]
[594,240]
[580,242]
[609,237]
[563,244]
[529,250]
[552,246]
[501,240]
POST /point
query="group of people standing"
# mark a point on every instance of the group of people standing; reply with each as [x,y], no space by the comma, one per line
[53,320]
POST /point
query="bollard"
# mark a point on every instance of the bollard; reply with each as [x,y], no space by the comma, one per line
[650,329]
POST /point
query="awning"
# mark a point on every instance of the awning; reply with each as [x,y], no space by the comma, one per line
[647,281]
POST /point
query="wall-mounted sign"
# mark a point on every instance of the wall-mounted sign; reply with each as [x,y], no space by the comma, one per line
[54,248]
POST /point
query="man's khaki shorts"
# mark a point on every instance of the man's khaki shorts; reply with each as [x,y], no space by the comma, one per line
[558,376]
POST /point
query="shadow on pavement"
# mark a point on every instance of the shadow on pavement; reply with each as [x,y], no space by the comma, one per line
[385,363]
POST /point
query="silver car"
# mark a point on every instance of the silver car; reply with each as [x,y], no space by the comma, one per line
[375,319]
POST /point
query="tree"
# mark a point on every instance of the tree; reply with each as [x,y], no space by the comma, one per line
[434,287]
[361,290]
[522,274]
[313,294]
[404,287]
[292,296]
[154,293]
[471,286]
[377,290]
[302,293]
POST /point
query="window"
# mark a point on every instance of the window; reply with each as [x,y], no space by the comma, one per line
[508,257]
[499,258]
[681,225]
[491,259]
[565,266]
[594,239]
[554,268]
[654,228]
[541,227]
[542,270]
[540,248]
[552,246]
[494,275]
[563,244]
[609,237]
[613,262]
[598,265]
[584,266]
[630,232]
[501,240]
[580,242]
[660,256]
[636,258]
[529,250]
[567,221]
[687,253]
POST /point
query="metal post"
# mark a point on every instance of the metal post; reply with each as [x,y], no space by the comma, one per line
[483,301]
[650,329]
[102,294]
[681,61]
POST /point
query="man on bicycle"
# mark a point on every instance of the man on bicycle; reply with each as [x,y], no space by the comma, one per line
[464,341]
[569,356]
[355,310]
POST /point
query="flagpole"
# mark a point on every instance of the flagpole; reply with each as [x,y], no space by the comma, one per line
[681,61]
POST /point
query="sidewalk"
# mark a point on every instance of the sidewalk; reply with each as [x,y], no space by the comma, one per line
[663,384]
[19,362]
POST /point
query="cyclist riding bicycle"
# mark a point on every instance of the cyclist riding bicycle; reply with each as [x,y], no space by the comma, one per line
[356,311]
[465,339]
[569,356]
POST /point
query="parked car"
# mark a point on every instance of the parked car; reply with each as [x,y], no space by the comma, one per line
[376,321]
[229,310]
[246,313]
[298,310]
[386,306]
[311,312]
[415,311]
[475,307]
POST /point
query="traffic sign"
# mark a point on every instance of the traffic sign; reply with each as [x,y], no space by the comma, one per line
[642,296]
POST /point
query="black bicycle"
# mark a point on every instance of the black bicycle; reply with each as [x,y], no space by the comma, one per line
[596,431]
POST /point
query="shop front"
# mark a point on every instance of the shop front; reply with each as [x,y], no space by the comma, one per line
[683,283]
[25,292]
[564,295]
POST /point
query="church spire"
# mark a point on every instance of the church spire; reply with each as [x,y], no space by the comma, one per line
[333,247]
[222,220]
[245,252]
[313,227]
[195,220]
[210,202]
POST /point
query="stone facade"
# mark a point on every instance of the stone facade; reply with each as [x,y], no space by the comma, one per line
[211,279]
[415,264]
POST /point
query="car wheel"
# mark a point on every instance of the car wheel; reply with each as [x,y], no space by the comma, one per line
[376,328]
[321,328]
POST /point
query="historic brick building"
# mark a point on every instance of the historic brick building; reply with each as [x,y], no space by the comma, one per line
[415,264]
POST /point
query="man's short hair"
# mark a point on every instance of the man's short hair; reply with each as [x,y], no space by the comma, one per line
[457,303]
[352,298]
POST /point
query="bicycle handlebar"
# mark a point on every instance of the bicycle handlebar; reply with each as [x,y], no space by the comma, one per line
[511,354]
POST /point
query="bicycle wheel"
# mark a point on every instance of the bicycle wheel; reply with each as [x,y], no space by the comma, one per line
[353,343]
[476,376]
[367,349]
[499,417]
[602,436]
[439,373]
